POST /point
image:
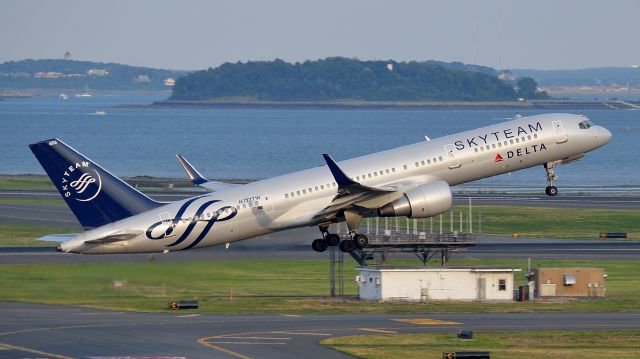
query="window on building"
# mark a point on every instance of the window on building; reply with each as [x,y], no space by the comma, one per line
[502,284]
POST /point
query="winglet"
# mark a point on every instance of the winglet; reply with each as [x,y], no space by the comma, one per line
[193,174]
[338,175]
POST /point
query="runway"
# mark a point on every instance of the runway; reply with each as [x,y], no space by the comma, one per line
[30,330]
[22,207]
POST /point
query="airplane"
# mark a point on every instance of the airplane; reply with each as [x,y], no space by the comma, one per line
[411,181]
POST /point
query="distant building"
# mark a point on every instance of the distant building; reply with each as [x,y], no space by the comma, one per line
[390,67]
[67,55]
[569,282]
[142,78]
[169,81]
[97,72]
[506,75]
[48,75]
[428,283]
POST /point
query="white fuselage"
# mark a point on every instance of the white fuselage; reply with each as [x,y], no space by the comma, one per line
[296,199]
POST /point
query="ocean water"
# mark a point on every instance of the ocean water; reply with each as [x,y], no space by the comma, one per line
[256,144]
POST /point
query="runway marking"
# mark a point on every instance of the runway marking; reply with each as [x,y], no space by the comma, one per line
[303,333]
[378,330]
[291,315]
[188,315]
[33,351]
[203,341]
[259,338]
[251,343]
[426,321]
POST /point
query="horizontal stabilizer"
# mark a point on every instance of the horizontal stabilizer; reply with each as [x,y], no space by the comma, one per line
[57,237]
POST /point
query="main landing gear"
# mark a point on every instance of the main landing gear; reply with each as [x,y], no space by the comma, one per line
[551,190]
[332,239]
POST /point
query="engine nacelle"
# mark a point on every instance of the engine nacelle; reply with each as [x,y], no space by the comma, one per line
[424,201]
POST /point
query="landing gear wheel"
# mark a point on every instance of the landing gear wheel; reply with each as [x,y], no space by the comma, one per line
[332,239]
[319,245]
[348,245]
[361,240]
[551,191]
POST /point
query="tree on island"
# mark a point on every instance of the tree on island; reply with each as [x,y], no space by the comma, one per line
[528,89]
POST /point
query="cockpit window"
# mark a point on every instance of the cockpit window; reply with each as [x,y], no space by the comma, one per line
[585,124]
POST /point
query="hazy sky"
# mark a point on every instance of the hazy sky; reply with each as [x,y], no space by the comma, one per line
[543,34]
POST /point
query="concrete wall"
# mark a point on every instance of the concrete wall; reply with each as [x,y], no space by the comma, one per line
[422,284]
[589,282]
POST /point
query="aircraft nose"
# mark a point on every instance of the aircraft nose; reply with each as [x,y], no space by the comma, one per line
[603,136]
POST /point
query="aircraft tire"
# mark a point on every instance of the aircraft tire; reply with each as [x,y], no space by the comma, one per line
[361,240]
[551,191]
[319,245]
[332,239]
[348,245]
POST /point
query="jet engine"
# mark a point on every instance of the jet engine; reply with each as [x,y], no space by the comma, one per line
[424,201]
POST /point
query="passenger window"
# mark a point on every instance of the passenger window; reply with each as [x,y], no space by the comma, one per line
[357,178]
[387,171]
[506,143]
[304,191]
[321,186]
[417,164]
[286,195]
[428,161]
[529,137]
[334,184]
[375,174]
[517,140]
[440,158]
[422,162]
[488,148]
[493,145]
[475,149]
[369,175]
[405,167]
[298,193]
[482,149]
[291,194]
[499,144]
[511,141]
[393,169]
[535,135]
[310,190]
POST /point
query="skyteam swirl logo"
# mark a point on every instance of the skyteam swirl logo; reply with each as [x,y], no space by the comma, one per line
[81,182]
[194,228]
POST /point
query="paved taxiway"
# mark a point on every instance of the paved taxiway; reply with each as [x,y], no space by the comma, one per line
[30,330]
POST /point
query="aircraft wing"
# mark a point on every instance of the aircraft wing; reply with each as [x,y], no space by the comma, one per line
[352,195]
[199,180]
[118,236]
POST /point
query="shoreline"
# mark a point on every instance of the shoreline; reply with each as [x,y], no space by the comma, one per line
[394,105]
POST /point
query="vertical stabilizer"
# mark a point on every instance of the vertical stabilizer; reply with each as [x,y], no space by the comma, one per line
[95,196]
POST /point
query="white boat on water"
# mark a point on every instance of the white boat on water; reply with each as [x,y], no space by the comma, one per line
[86,93]
[63,96]
[100,113]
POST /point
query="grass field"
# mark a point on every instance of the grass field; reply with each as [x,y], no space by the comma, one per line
[267,286]
[583,223]
[25,183]
[530,345]
[12,235]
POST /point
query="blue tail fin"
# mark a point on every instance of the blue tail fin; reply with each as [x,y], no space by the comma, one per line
[95,196]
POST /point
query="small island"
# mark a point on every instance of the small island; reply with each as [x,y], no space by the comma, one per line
[345,80]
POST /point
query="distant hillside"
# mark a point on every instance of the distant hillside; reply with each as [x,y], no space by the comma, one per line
[602,76]
[343,79]
[71,74]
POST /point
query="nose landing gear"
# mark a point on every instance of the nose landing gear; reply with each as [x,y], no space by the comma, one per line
[551,190]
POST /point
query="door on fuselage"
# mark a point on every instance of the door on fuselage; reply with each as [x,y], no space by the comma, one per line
[453,161]
[561,135]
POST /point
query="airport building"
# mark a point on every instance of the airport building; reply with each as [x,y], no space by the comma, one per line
[429,283]
[570,282]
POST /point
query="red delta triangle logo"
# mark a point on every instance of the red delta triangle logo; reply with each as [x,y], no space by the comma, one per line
[498,158]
